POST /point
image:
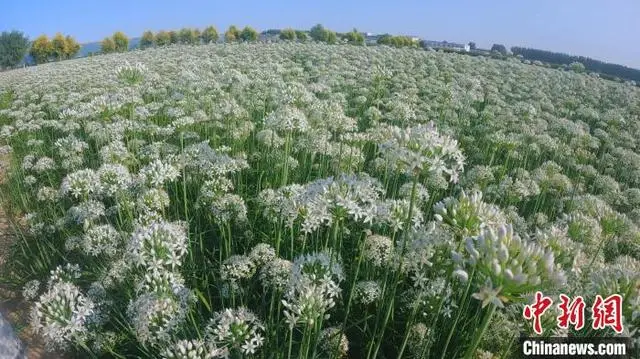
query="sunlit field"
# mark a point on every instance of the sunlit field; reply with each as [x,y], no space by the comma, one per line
[315,201]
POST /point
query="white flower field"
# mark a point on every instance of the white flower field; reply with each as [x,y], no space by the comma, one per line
[315,201]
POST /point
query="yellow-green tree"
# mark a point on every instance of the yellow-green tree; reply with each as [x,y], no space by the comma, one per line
[332,38]
[121,41]
[354,37]
[58,47]
[72,47]
[146,40]
[288,34]
[232,34]
[41,49]
[173,37]
[188,36]
[163,38]
[301,35]
[209,35]
[249,34]
[107,45]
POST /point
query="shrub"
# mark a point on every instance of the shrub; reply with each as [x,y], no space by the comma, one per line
[354,37]
[188,36]
[147,40]
[249,34]
[209,35]
[107,45]
[163,38]
[121,42]
[232,34]
[301,36]
[288,34]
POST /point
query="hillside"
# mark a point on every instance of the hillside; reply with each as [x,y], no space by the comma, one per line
[305,200]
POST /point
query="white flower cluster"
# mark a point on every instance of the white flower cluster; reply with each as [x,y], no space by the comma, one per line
[324,201]
[158,245]
[192,349]
[61,315]
[420,149]
[157,173]
[506,264]
[276,274]
[334,343]
[82,184]
[287,119]
[156,316]
[367,292]
[468,214]
[313,288]
[237,330]
[378,250]
[102,239]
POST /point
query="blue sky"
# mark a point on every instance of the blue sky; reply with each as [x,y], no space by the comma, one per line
[602,29]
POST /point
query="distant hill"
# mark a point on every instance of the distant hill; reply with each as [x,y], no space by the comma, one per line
[94,47]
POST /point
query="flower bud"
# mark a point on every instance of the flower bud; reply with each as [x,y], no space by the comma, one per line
[461,274]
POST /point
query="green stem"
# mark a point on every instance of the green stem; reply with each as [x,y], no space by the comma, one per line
[290,343]
[483,327]
[396,277]
[455,322]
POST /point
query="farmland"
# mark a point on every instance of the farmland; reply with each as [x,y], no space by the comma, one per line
[309,200]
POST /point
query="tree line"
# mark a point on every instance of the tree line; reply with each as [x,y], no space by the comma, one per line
[247,34]
[592,65]
[14,45]
[397,41]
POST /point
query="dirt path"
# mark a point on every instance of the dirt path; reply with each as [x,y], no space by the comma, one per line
[14,311]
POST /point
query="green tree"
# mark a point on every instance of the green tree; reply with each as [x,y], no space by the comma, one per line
[354,37]
[107,45]
[301,36]
[331,37]
[232,34]
[384,39]
[58,46]
[188,36]
[162,38]
[72,47]
[577,67]
[499,48]
[249,34]
[472,45]
[121,41]
[41,49]
[209,35]
[288,34]
[397,41]
[146,40]
[318,33]
[173,37]
[13,47]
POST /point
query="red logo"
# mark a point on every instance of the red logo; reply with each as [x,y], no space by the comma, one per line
[572,312]
[536,310]
[605,312]
[608,313]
